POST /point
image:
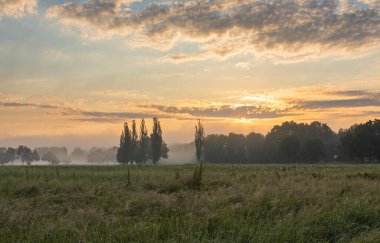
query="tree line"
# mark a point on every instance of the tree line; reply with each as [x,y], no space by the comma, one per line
[290,142]
[23,153]
[58,155]
[361,142]
[293,142]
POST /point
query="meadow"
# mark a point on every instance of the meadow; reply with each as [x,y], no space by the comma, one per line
[236,203]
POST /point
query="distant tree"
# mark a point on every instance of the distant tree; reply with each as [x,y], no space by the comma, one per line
[102,155]
[143,143]
[164,151]
[156,141]
[27,155]
[361,142]
[303,132]
[124,152]
[3,156]
[255,145]
[78,154]
[51,158]
[11,154]
[312,151]
[375,139]
[235,148]
[199,140]
[289,149]
[214,150]
[35,156]
[7,155]
[134,141]
[60,152]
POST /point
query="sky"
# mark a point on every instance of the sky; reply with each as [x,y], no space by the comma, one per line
[72,72]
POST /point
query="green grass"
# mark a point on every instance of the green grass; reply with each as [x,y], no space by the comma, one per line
[236,203]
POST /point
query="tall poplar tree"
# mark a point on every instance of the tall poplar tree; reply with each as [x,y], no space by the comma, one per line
[199,140]
[156,141]
[144,141]
[134,141]
[124,151]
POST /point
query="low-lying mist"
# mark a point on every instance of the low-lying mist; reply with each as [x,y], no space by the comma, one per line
[178,154]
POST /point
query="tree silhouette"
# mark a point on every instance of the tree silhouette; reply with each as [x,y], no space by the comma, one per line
[164,151]
[312,151]
[7,155]
[134,142]
[51,158]
[199,140]
[11,154]
[143,143]
[289,148]
[255,145]
[361,142]
[3,156]
[156,141]
[124,152]
[27,155]
[78,154]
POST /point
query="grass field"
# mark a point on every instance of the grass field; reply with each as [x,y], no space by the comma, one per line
[236,203]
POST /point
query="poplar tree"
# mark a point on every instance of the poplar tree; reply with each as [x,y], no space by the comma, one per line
[156,141]
[134,141]
[144,140]
[124,151]
[199,140]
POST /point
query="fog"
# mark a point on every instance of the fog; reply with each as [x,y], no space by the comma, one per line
[178,154]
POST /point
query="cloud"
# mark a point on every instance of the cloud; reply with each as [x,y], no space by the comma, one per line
[342,99]
[20,104]
[296,28]
[118,115]
[351,93]
[224,111]
[17,8]
[312,101]
[84,115]
[343,103]
[244,65]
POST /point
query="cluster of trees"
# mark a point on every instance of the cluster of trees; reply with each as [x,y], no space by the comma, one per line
[7,155]
[101,155]
[287,143]
[293,142]
[93,155]
[53,155]
[23,153]
[139,148]
[361,142]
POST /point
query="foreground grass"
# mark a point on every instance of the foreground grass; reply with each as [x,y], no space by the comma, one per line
[237,203]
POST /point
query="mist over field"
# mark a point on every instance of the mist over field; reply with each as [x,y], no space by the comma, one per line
[178,154]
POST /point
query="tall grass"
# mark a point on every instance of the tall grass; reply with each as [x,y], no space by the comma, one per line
[236,203]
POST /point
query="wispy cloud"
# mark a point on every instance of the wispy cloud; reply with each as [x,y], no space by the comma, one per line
[86,115]
[272,105]
[17,8]
[20,104]
[342,103]
[224,111]
[293,28]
